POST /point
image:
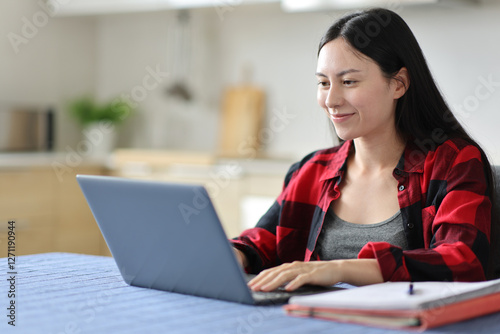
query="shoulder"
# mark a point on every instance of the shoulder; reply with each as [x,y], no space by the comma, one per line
[325,156]
[454,158]
[420,153]
[456,148]
[318,161]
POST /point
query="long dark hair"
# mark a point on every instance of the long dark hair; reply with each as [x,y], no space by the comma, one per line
[383,36]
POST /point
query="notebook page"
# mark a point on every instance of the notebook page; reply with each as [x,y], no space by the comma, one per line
[396,296]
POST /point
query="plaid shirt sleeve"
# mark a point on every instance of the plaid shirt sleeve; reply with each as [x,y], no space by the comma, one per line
[259,244]
[447,200]
[284,234]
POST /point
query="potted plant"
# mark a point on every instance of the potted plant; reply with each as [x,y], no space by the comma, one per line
[99,121]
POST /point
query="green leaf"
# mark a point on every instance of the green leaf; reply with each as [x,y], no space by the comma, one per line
[85,110]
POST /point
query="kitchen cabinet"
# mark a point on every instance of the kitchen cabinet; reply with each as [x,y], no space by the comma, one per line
[76,229]
[26,197]
[50,213]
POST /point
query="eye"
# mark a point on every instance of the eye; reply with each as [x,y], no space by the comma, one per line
[323,83]
[349,83]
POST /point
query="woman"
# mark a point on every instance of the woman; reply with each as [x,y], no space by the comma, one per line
[405,197]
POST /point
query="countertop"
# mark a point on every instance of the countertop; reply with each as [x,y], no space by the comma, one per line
[147,161]
[136,162]
[48,159]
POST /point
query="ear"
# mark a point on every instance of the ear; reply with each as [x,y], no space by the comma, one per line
[402,81]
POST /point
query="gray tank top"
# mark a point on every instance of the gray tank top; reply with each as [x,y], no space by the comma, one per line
[343,240]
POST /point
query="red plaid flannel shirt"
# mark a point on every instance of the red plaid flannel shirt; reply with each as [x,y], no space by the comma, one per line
[443,201]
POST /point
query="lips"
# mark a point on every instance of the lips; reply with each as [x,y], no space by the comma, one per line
[340,117]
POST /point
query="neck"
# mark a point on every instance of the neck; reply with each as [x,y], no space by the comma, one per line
[377,155]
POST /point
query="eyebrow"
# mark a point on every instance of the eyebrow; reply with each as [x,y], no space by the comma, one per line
[341,73]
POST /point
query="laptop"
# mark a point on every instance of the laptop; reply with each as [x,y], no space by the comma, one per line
[167,236]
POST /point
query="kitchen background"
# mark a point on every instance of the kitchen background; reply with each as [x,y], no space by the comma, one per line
[54,53]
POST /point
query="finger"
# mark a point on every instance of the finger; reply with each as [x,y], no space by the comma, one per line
[298,281]
[260,277]
[268,274]
[264,279]
[271,279]
[284,277]
[275,283]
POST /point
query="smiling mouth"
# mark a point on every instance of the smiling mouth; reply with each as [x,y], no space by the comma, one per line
[340,116]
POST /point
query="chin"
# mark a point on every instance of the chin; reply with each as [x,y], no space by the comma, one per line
[343,135]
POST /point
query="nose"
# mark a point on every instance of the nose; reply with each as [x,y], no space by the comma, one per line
[332,98]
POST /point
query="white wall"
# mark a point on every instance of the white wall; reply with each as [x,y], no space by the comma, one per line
[462,46]
[281,49]
[110,55]
[45,61]
[129,48]
[460,43]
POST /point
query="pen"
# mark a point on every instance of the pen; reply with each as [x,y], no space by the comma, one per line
[410,289]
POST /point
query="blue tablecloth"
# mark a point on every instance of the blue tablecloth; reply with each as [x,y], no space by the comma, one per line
[59,293]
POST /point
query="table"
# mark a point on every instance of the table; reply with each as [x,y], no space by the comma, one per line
[68,293]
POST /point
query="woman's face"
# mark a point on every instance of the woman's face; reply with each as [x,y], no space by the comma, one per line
[357,97]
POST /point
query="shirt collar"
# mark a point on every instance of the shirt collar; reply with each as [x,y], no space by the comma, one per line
[412,160]
[336,166]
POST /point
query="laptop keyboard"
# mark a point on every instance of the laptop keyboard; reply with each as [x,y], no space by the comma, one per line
[281,296]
